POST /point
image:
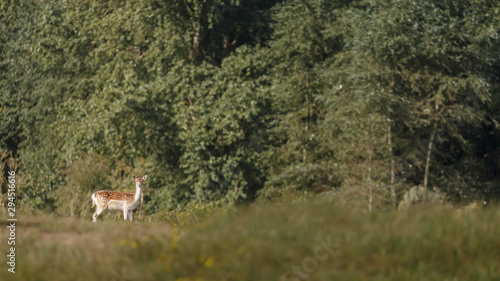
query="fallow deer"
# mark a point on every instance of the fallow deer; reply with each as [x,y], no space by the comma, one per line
[118,201]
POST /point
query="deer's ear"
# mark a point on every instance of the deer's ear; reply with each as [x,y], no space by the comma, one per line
[145,177]
[134,177]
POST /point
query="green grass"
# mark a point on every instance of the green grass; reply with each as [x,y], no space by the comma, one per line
[279,241]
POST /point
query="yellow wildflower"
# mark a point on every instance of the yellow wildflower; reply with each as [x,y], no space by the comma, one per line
[210,261]
[240,249]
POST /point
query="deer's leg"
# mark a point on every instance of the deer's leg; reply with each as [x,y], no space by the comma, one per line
[125,212]
[130,215]
[97,213]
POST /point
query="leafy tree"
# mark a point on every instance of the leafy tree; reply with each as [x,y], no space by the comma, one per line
[429,62]
[223,100]
[221,115]
[104,84]
[303,40]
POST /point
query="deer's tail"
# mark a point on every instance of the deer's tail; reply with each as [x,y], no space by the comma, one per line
[93,200]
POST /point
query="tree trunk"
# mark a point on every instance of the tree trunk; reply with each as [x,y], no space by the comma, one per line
[428,157]
[306,133]
[392,187]
[195,52]
[199,24]
[308,117]
[429,150]
[369,180]
[140,206]
[389,137]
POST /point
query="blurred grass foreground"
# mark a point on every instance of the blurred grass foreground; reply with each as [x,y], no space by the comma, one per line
[273,241]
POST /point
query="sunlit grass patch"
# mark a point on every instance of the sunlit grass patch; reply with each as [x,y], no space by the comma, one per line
[280,241]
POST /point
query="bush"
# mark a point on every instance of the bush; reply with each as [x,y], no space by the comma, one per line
[420,196]
[83,177]
[194,214]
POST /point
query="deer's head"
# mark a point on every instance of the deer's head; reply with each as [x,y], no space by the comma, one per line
[139,181]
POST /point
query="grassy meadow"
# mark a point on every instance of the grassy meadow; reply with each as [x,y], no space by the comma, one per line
[306,240]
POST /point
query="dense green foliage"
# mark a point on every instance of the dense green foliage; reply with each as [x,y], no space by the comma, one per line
[227,101]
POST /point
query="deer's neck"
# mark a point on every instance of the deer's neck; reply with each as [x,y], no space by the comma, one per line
[137,194]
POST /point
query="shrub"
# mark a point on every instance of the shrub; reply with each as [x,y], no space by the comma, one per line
[83,177]
[192,215]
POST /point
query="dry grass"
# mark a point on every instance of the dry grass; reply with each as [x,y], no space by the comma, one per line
[279,241]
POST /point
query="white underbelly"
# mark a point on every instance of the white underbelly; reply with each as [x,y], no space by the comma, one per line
[116,205]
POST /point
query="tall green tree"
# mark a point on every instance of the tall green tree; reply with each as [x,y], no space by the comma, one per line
[108,80]
[221,114]
[27,103]
[302,41]
[429,62]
